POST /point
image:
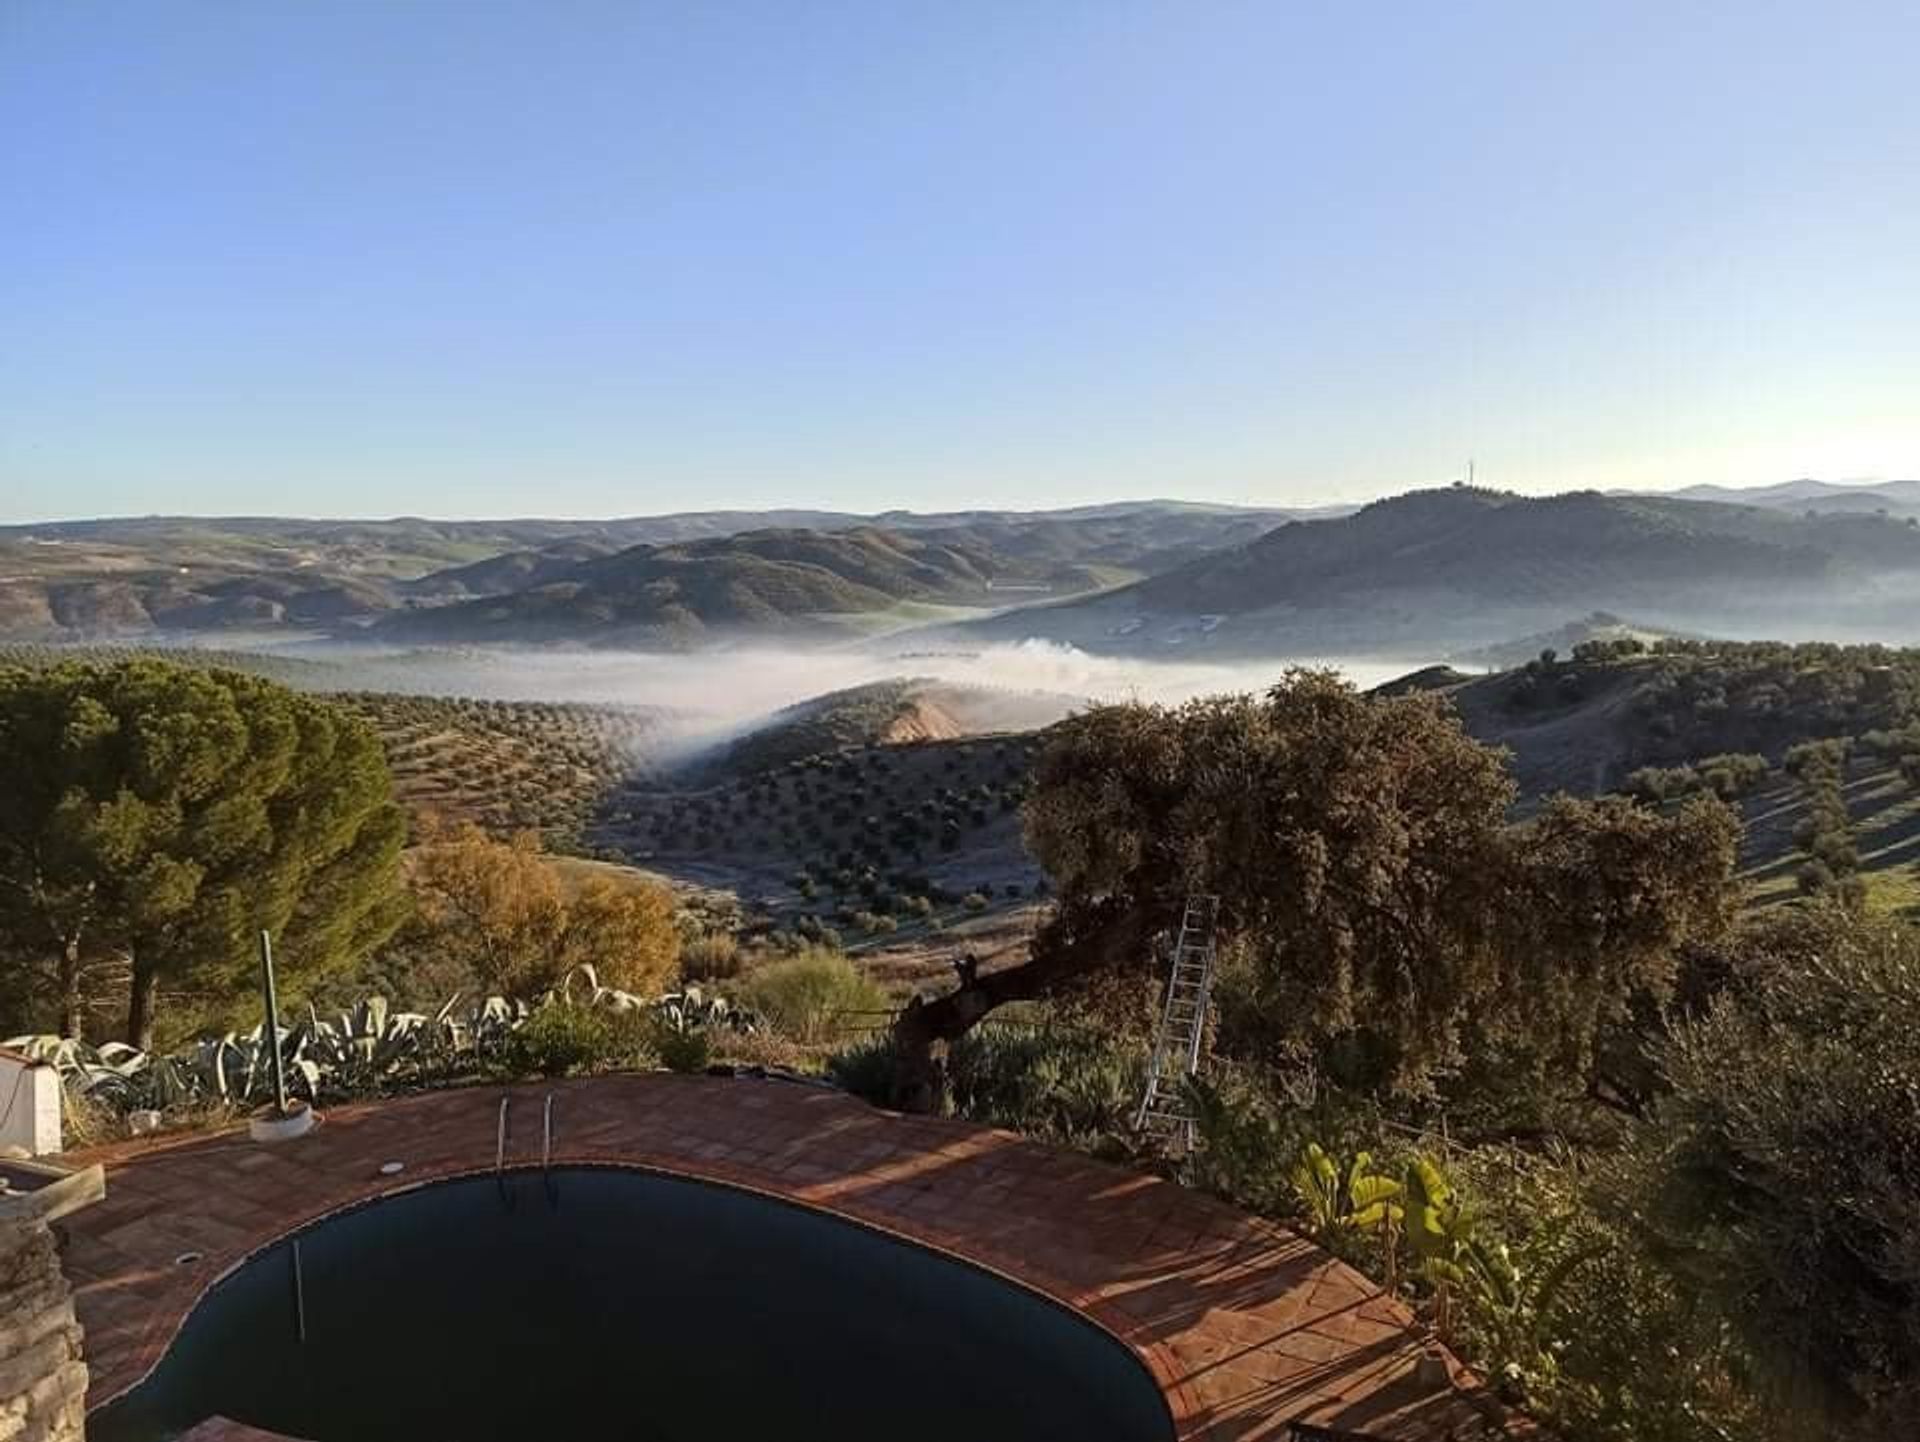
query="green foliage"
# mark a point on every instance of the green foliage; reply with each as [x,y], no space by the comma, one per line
[561,1040]
[1826,833]
[1559,1305]
[865,1067]
[1064,1083]
[1382,908]
[1350,1197]
[813,996]
[1782,1175]
[1728,776]
[169,814]
[1694,698]
[1060,1082]
[371,1049]
[687,1051]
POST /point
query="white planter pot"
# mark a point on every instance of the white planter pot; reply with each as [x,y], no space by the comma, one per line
[273,1126]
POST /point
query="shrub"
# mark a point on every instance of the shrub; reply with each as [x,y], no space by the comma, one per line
[1067,1084]
[688,1052]
[561,1040]
[807,997]
[865,1068]
[1781,1174]
[712,956]
[975,901]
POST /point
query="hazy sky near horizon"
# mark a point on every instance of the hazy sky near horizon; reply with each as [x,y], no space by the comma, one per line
[491,257]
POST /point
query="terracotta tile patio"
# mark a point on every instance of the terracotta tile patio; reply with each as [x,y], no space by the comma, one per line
[1246,1327]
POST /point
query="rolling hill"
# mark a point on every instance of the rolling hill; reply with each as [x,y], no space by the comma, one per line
[779,581]
[112,578]
[1451,569]
[1895,498]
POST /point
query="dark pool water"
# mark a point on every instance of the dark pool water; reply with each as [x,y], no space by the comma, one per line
[606,1304]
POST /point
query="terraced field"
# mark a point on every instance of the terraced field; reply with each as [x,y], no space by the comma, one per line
[878,842]
[1885,812]
[512,765]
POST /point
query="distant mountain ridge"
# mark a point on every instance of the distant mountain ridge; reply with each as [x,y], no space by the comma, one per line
[108,578]
[1424,574]
[1899,499]
[1464,566]
[770,581]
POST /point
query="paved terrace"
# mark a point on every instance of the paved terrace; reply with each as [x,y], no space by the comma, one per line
[1246,1326]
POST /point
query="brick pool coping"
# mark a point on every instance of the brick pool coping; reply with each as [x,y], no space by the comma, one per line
[1245,1326]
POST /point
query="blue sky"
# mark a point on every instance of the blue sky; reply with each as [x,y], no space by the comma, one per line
[371,257]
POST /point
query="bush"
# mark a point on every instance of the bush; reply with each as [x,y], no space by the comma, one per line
[712,956]
[808,996]
[1069,1085]
[865,1068]
[560,1040]
[974,901]
[688,1052]
[1783,1173]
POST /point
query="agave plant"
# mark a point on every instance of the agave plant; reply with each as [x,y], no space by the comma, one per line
[112,1073]
[365,1049]
[691,1009]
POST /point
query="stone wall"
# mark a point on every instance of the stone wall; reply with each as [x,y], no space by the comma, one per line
[43,1381]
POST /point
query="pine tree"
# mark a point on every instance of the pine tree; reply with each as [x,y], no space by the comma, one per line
[166,815]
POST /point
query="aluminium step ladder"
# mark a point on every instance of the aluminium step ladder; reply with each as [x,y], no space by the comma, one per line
[1164,1110]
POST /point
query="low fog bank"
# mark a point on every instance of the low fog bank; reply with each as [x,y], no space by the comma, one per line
[721,690]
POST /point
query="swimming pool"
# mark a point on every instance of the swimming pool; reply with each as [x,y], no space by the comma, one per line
[609,1305]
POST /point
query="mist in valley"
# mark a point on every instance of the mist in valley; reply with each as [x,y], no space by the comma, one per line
[708,697]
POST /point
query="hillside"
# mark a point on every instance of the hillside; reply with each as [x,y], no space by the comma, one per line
[893,712]
[1896,498]
[1669,719]
[1598,626]
[79,580]
[797,582]
[1453,568]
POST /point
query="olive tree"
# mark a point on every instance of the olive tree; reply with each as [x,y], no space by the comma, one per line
[161,816]
[1781,1175]
[1367,873]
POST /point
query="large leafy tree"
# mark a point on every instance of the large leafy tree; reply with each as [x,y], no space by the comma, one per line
[504,915]
[1368,878]
[163,816]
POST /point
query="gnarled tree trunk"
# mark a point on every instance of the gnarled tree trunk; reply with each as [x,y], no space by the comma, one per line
[1069,948]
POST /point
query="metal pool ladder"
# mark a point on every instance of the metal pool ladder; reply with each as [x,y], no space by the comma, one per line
[1164,1110]
[546,1149]
[500,1150]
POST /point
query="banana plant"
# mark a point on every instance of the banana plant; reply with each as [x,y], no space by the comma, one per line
[1350,1198]
[1512,1298]
[1439,1230]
